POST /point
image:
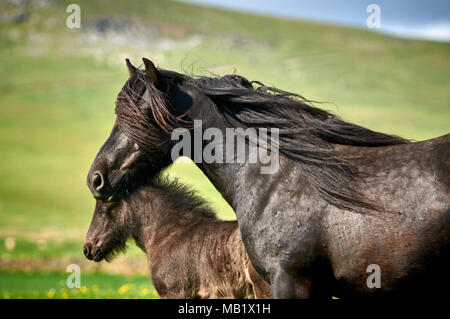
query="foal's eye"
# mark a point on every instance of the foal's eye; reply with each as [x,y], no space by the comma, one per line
[104,212]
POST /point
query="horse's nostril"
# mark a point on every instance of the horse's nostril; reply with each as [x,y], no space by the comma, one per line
[98,254]
[98,181]
[87,251]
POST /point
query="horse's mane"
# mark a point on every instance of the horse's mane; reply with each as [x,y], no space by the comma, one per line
[307,134]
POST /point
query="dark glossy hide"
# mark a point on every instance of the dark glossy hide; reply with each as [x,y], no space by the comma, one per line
[191,253]
[302,236]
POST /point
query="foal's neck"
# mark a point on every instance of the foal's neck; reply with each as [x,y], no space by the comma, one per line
[163,208]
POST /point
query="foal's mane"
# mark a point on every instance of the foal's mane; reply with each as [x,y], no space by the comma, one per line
[180,200]
[307,134]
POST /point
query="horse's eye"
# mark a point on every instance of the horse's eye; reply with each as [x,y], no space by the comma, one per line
[104,212]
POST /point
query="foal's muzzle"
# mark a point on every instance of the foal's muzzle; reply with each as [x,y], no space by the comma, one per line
[92,252]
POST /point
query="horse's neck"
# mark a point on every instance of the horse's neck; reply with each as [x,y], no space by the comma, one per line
[244,187]
[232,178]
[224,177]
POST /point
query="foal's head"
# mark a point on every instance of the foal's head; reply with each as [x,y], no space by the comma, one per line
[155,205]
[109,231]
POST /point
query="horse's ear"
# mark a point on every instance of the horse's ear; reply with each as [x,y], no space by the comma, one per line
[131,68]
[151,71]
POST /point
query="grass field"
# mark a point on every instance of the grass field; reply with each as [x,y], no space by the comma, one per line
[57,92]
[52,285]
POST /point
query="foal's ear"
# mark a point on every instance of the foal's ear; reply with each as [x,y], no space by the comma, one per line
[131,68]
[151,71]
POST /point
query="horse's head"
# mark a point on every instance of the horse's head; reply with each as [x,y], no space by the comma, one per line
[148,108]
[108,232]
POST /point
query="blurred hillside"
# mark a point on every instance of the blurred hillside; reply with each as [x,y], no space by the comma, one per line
[58,87]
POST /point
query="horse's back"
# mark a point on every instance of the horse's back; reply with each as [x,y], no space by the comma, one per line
[410,241]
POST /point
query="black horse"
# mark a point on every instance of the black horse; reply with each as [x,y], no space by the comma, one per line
[344,202]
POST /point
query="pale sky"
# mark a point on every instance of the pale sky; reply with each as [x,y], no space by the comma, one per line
[419,19]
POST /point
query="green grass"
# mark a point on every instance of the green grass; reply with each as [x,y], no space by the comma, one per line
[35,248]
[53,285]
[57,93]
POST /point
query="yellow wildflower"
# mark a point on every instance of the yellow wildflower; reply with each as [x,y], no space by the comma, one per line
[51,293]
[125,288]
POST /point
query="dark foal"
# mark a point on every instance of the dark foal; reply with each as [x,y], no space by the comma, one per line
[191,253]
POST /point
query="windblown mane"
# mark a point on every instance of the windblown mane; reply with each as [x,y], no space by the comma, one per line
[308,135]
